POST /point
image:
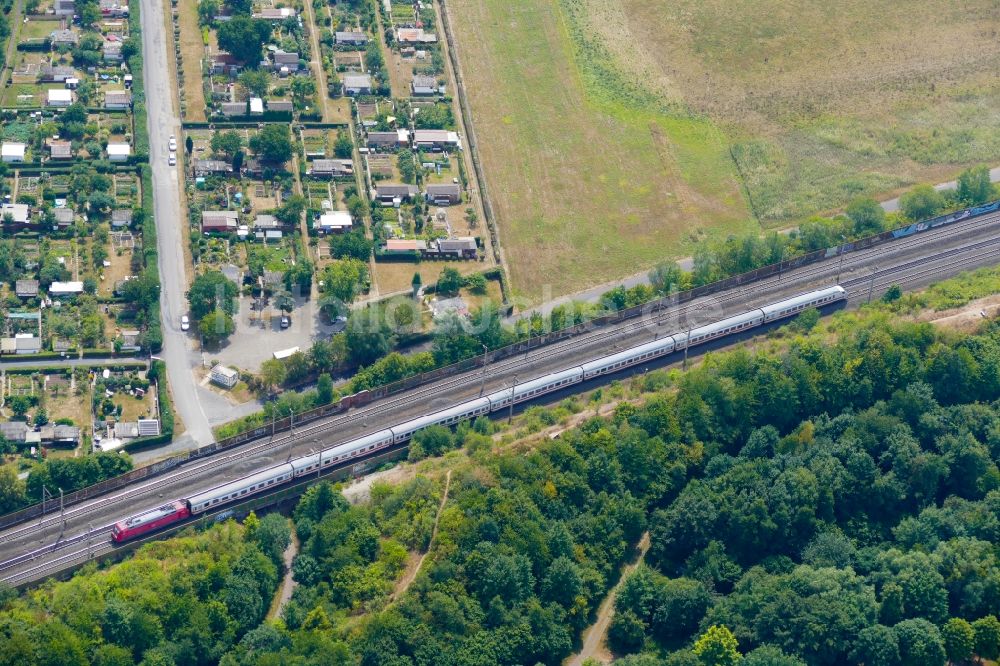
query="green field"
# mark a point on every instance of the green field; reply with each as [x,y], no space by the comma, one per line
[589,182]
[823,101]
[615,133]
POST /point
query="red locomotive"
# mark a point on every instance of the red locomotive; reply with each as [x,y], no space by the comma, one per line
[151,520]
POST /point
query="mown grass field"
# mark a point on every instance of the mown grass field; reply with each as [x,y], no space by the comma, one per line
[823,101]
[587,186]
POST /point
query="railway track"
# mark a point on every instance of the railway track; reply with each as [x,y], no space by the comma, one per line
[904,272]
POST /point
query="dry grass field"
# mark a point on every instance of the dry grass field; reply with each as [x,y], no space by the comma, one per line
[822,101]
[587,188]
[612,133]
[192,50]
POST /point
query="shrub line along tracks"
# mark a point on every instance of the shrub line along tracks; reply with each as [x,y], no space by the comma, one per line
[515,362]
[38,538]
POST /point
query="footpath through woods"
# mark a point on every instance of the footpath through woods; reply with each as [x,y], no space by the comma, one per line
[411,572]
[287,586]
[596,635]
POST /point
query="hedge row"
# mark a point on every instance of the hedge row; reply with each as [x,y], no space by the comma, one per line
[141,133]
[158,372]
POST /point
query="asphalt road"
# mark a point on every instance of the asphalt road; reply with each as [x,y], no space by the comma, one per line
[910,262]
[170,227]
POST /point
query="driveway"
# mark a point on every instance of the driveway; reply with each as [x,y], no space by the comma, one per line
[171,227]
[255,342]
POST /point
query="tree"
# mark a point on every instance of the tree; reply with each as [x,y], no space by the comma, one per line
[717,647]
[352,244]
[867,215]
[434,440]
[987,637]
[291,209]
[959,639]
[892,294]
[143,290]
[324,389]
[225,143]
[769,655]
[627,631]
[12,490]
[273,536]
[367,335]
[666,277]
[407,169]
[19,404]
[303,89]
[921,202]
[343,147]
[238,162]
[563,582]
[211,290]
[476,283]
[919,643]
[257,82]
[344,279]
[207,11]
[216,326]
[243,38]
[876,645]
[449,282]
[415,284]
[974,186]
[272,373]
[284,301]
[273,144]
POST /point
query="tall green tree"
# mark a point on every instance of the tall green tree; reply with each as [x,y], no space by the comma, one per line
[974,186]
[212,290]
[717,647]
[922,202]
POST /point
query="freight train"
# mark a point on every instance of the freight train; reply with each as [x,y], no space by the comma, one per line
[181,509]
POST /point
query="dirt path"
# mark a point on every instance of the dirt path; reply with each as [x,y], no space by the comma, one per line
[595,636]
[413,568]
[966,318]
[287,586]
[316,62]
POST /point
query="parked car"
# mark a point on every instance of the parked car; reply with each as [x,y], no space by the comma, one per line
[172,159]
[172,144]
[185,323]
[285,321]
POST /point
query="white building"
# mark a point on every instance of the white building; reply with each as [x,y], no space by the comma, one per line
[119,152]
[19,213]
[65,288]
[13,152]
[224,376]
[256,106]
[333,222]
[60,97]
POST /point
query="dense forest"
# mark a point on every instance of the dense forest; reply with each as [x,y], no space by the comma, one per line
[832,497]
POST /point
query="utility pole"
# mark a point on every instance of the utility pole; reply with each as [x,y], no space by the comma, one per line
[687,343]
[291,433]
[840,249]
[871,284]
[486,360]
[62,516]
[90,534]
[46,494]
[510,411]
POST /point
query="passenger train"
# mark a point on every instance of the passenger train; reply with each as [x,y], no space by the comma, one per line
[199,503]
